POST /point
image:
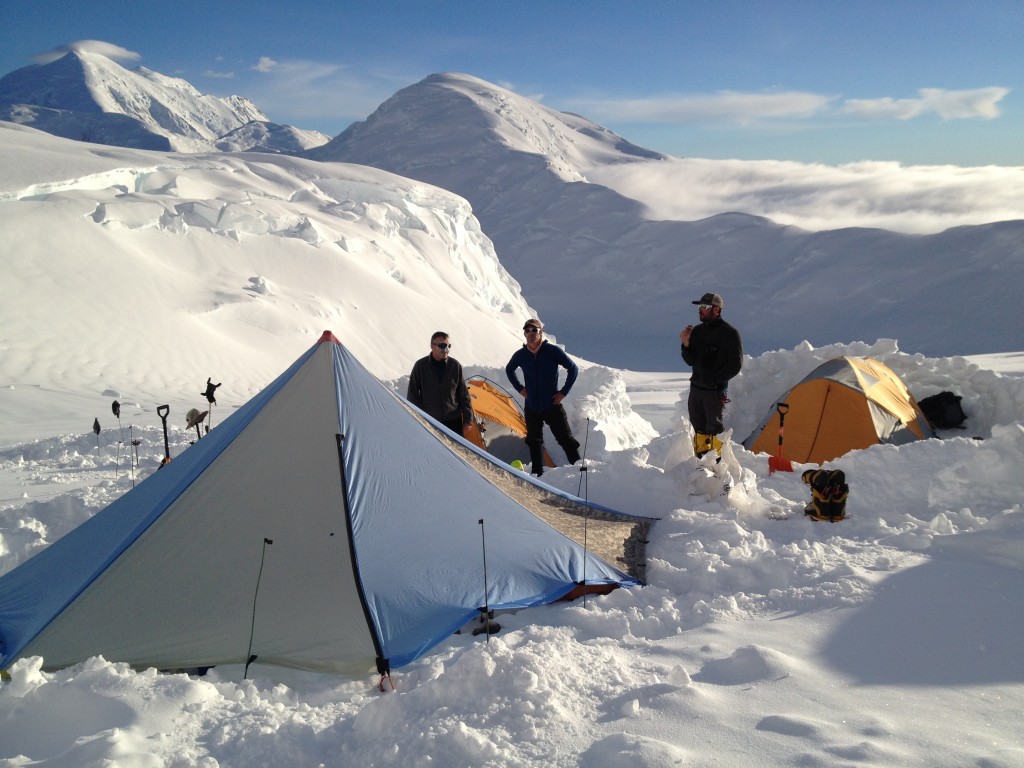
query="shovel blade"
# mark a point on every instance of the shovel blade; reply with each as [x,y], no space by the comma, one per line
[779,464]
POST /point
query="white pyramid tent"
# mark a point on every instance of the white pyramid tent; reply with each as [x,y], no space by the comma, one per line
[327,525]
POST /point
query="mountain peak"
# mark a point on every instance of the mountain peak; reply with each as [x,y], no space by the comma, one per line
[81,92]
[432,111]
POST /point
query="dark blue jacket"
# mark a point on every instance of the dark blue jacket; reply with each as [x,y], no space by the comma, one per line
[540,374]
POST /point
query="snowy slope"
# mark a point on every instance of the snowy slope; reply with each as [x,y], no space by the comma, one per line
[267,251]
[571,208]
[85,95]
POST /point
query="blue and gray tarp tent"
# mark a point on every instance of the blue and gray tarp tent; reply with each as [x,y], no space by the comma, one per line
[326,525]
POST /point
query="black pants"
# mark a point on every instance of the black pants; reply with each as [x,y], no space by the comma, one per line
[705,408]
[558,422]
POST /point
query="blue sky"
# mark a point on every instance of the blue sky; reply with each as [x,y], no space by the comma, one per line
[826,81]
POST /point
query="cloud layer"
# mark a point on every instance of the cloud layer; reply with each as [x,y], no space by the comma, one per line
[742,108]
[888,195]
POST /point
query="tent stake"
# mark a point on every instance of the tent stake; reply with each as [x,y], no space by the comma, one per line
[250,657]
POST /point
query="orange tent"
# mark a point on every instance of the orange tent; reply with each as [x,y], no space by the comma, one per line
[500,428]
[843,404]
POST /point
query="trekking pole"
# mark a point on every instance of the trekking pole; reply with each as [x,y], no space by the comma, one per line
[134,455]
[96,429]
[162,411]
[211,398]
[116,408]
[250,657]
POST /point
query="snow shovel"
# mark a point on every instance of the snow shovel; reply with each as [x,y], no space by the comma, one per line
[162,411]
[777,463]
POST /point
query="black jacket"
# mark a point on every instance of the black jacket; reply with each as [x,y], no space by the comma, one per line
[715,354]
[444,397]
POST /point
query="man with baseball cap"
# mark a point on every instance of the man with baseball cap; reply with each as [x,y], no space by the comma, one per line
[714,350]
[539,362]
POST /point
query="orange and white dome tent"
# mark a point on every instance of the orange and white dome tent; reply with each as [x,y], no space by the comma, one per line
[844,404]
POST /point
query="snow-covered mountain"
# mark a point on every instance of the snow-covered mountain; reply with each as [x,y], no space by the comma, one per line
[87,96]
[529,172]
[414,130]
[264,136]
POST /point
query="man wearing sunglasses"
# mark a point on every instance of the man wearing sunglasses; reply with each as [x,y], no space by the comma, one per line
[714,350]
[437,387]
[539,362]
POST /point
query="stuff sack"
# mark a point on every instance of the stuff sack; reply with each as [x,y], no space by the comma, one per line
[829,492]
[943,410]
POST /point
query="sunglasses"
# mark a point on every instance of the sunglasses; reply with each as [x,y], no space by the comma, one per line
[443,346]
[531,331]
[702,307]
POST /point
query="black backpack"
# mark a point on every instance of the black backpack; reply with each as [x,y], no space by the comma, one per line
[829,492]
[943,410]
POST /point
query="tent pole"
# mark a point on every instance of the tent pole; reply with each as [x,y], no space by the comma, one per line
[250,657]
[383,664]
[486,606]
[586,517]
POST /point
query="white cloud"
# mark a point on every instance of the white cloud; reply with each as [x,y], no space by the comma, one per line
[265,64]
[725,106]
[219,75]
[949,105]
[746,108]
[109,50]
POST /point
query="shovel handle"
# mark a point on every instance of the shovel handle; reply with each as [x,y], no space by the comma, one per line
[777,463]
[162,411]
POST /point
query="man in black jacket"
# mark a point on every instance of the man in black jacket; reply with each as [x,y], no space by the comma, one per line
[715,352]
[437,387]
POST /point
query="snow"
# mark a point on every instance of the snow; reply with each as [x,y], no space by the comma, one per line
[891,638]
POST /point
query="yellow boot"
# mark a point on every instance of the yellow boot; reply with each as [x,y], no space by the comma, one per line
[701,444]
